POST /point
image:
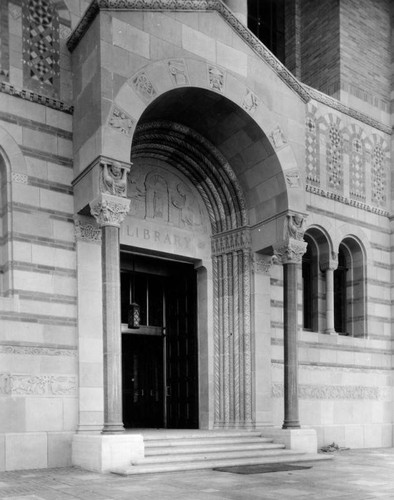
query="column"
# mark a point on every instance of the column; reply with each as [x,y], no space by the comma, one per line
[329,268]
[290,253]
[109,212]
[239,8]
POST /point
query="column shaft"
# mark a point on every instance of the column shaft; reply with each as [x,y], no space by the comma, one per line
[330,329]
[112,339]
[291,419]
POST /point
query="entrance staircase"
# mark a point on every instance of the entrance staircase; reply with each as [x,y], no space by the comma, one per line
[168,451]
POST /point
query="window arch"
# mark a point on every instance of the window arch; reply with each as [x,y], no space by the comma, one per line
[314,280]
[349,289]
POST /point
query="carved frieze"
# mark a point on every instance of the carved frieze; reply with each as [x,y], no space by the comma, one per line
[121,121]
[161,196]
[262,264]
[231,242]
[178,72]
[86,229]
[37,385]
[309,391]
[36,351]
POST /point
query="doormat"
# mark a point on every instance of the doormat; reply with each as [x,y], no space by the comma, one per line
[261,468]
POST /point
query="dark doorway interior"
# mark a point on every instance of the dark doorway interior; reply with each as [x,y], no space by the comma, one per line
[159,359]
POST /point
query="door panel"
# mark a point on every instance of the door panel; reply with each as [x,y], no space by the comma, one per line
[142,381]
[182,383]
[160,378]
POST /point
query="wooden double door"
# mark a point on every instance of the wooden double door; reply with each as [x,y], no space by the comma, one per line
[159,359]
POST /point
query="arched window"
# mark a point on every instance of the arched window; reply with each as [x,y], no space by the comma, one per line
[349,289]
[340,295]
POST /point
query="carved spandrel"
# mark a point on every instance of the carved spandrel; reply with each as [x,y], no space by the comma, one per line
[159,195]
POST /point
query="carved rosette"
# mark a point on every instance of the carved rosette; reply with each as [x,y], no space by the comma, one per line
[109,210]
[290,252]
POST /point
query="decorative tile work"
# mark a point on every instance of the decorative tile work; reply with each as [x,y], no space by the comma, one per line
[334,151]
[4,40]
[378,176]
[357,170]
[312,164]
[41,50]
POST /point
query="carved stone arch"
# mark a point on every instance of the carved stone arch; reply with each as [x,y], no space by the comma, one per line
[156,79]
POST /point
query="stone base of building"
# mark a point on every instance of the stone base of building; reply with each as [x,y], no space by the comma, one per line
[104,452]
[303,440]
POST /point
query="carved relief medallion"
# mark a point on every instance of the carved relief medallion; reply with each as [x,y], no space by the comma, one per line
[216,79]
[178,72]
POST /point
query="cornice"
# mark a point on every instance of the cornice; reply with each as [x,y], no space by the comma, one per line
[335,104]
[29,95]
[191,6]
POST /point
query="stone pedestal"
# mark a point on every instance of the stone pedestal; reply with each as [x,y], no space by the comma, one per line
[106,452]
[302,439]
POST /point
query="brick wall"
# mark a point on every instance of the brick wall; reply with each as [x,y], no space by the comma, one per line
[365,50]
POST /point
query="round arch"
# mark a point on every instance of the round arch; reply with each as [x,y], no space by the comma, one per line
[173,90]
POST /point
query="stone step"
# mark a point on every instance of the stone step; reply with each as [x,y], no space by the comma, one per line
[177,434]
[285,456]
[202,441]
[183,448]
[210,455]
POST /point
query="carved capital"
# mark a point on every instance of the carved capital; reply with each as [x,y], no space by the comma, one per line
[329,262]
[290,252]
[109,210]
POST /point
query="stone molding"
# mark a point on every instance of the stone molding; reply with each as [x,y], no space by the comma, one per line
[37,385]
[309,391]
[191,5]
[37,351]
[29,95]
[86,229]
[109,210]
[347,201]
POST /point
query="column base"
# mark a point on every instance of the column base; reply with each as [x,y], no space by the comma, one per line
[330,332]
[303,439]
[106,452]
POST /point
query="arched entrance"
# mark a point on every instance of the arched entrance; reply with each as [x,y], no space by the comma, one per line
[194,155]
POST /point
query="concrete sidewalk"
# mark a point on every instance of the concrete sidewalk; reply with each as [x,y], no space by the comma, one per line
[353,474]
